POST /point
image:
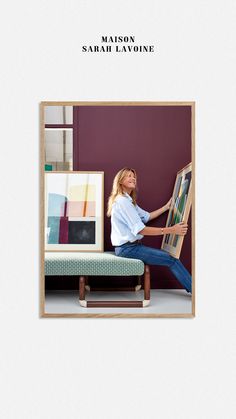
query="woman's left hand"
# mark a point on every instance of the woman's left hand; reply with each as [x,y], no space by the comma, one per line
[168,205]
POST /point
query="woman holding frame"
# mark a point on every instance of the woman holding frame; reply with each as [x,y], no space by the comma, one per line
[128,226]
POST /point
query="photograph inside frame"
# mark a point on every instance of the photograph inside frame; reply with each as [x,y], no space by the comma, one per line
[117,209]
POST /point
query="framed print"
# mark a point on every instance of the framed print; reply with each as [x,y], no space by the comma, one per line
[179,210]
[58,149]
[88,215]
[74,211]
[58,138]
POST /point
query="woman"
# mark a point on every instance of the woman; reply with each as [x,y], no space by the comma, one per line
[128,227]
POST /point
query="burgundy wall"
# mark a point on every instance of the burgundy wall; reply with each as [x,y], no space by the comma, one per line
[156,141]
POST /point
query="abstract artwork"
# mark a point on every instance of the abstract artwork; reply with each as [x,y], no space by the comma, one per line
[74,211]
[179,210]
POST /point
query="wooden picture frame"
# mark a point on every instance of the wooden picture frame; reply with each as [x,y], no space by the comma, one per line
[179,210]
[74,211]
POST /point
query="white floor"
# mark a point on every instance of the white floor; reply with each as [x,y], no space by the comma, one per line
[164,301]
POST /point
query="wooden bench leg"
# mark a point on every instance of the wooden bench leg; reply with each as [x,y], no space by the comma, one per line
[82,300]
[146,286]
[139,285]
[144,303]
[87,286]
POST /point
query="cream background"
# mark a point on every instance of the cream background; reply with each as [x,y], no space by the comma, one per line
[126,368]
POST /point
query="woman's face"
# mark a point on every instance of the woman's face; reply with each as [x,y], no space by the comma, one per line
[129,182]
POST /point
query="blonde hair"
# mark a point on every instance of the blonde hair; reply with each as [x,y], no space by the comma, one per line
[117,188]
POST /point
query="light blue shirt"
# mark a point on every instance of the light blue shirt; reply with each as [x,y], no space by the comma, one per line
[127,220]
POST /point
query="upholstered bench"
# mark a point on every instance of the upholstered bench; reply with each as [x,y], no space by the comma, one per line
[86,264]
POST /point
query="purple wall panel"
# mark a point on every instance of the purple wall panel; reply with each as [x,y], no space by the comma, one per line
[156,141]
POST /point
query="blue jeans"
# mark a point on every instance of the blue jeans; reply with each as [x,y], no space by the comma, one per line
[152,256]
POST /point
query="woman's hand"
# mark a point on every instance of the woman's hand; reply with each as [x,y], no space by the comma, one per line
[156,213]
[168,205]
[180,229]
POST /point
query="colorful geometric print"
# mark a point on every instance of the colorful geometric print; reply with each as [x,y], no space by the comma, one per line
[82,193]
[79,209]
[63,224]
[180,199]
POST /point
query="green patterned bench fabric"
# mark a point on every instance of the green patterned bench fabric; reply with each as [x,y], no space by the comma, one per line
[72,263]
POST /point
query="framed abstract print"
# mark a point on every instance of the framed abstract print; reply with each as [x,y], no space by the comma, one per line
[74,211]
[179,210]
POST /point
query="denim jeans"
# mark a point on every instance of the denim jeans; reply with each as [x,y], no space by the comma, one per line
[152,256]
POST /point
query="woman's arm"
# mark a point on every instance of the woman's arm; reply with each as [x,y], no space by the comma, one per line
[156,213]
[179,229]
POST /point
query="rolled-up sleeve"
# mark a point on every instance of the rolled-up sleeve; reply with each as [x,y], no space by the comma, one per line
[130,216]
[144,215]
